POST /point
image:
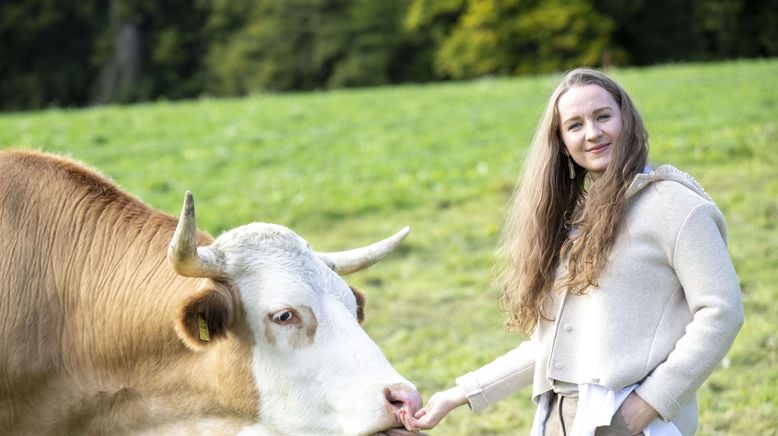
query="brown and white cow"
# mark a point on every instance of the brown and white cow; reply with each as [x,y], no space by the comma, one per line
[111,324]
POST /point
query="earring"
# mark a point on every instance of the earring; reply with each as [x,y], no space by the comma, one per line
[570,167]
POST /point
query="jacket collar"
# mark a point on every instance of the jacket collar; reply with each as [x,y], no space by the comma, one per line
[665,172]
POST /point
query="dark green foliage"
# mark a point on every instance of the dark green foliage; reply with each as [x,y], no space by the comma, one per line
[59,52]
[45,52]
[65,53]
[508,37]
[376,52]
[286,45]
[757,32]
[670,30]
[171,42]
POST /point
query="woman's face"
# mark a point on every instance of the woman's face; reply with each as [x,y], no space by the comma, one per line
[590,125]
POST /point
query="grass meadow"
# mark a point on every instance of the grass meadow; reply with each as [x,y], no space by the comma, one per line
[345,168]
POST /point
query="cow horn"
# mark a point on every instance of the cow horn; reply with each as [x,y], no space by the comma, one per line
[184,255]
[349,261]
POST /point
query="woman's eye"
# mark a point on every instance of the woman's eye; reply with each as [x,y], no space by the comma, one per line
[283,317]
[573,126]
[603,117]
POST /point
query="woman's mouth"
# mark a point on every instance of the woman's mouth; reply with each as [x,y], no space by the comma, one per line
[598,148]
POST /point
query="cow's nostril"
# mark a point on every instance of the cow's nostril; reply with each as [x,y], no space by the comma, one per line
[402,396]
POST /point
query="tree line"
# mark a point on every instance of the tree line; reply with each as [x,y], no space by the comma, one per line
[74,53]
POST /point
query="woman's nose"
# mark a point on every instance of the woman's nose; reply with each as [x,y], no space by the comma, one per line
[593,131]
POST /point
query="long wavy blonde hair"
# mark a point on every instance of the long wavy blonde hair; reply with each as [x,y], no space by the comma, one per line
[547,204]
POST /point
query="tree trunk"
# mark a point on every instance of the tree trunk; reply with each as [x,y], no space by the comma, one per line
[120,76]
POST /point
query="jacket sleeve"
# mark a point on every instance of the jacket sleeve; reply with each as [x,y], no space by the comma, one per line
[710,285]
[500,378]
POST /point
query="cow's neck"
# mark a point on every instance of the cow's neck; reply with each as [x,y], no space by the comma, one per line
[127,360]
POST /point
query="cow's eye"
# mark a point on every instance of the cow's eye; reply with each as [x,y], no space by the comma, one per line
[283,317]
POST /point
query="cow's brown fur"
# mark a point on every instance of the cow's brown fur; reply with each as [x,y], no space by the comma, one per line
[307,330]
[361,302]
[300,332]
[95,328]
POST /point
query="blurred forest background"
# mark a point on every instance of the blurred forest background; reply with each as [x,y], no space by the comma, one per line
[77,53]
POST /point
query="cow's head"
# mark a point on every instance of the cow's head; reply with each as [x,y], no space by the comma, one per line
[316,370]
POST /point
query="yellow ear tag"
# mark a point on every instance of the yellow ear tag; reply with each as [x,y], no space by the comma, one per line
[204,335]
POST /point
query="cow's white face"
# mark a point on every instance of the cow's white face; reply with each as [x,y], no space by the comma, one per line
[317,371]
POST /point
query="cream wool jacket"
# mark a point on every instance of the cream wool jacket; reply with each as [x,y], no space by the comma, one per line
[666,311]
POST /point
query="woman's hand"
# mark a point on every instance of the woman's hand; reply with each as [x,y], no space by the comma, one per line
[439,405]
[637,413]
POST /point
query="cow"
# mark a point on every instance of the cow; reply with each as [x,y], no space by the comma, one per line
[117,318]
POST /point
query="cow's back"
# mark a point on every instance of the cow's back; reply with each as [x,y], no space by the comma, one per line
[76,254]
[32,195]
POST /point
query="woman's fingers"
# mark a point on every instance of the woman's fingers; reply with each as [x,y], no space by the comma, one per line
[410,423]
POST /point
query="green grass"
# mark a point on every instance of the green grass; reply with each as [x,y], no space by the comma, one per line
[345,168]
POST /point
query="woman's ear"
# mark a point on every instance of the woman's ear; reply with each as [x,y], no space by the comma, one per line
[206,316]
[360,304]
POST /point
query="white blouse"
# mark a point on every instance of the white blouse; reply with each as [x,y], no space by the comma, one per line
[596,407]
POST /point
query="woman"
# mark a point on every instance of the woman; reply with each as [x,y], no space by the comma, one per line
[617,272]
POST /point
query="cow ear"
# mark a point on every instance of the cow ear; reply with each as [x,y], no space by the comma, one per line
[206,316]
[360,303]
